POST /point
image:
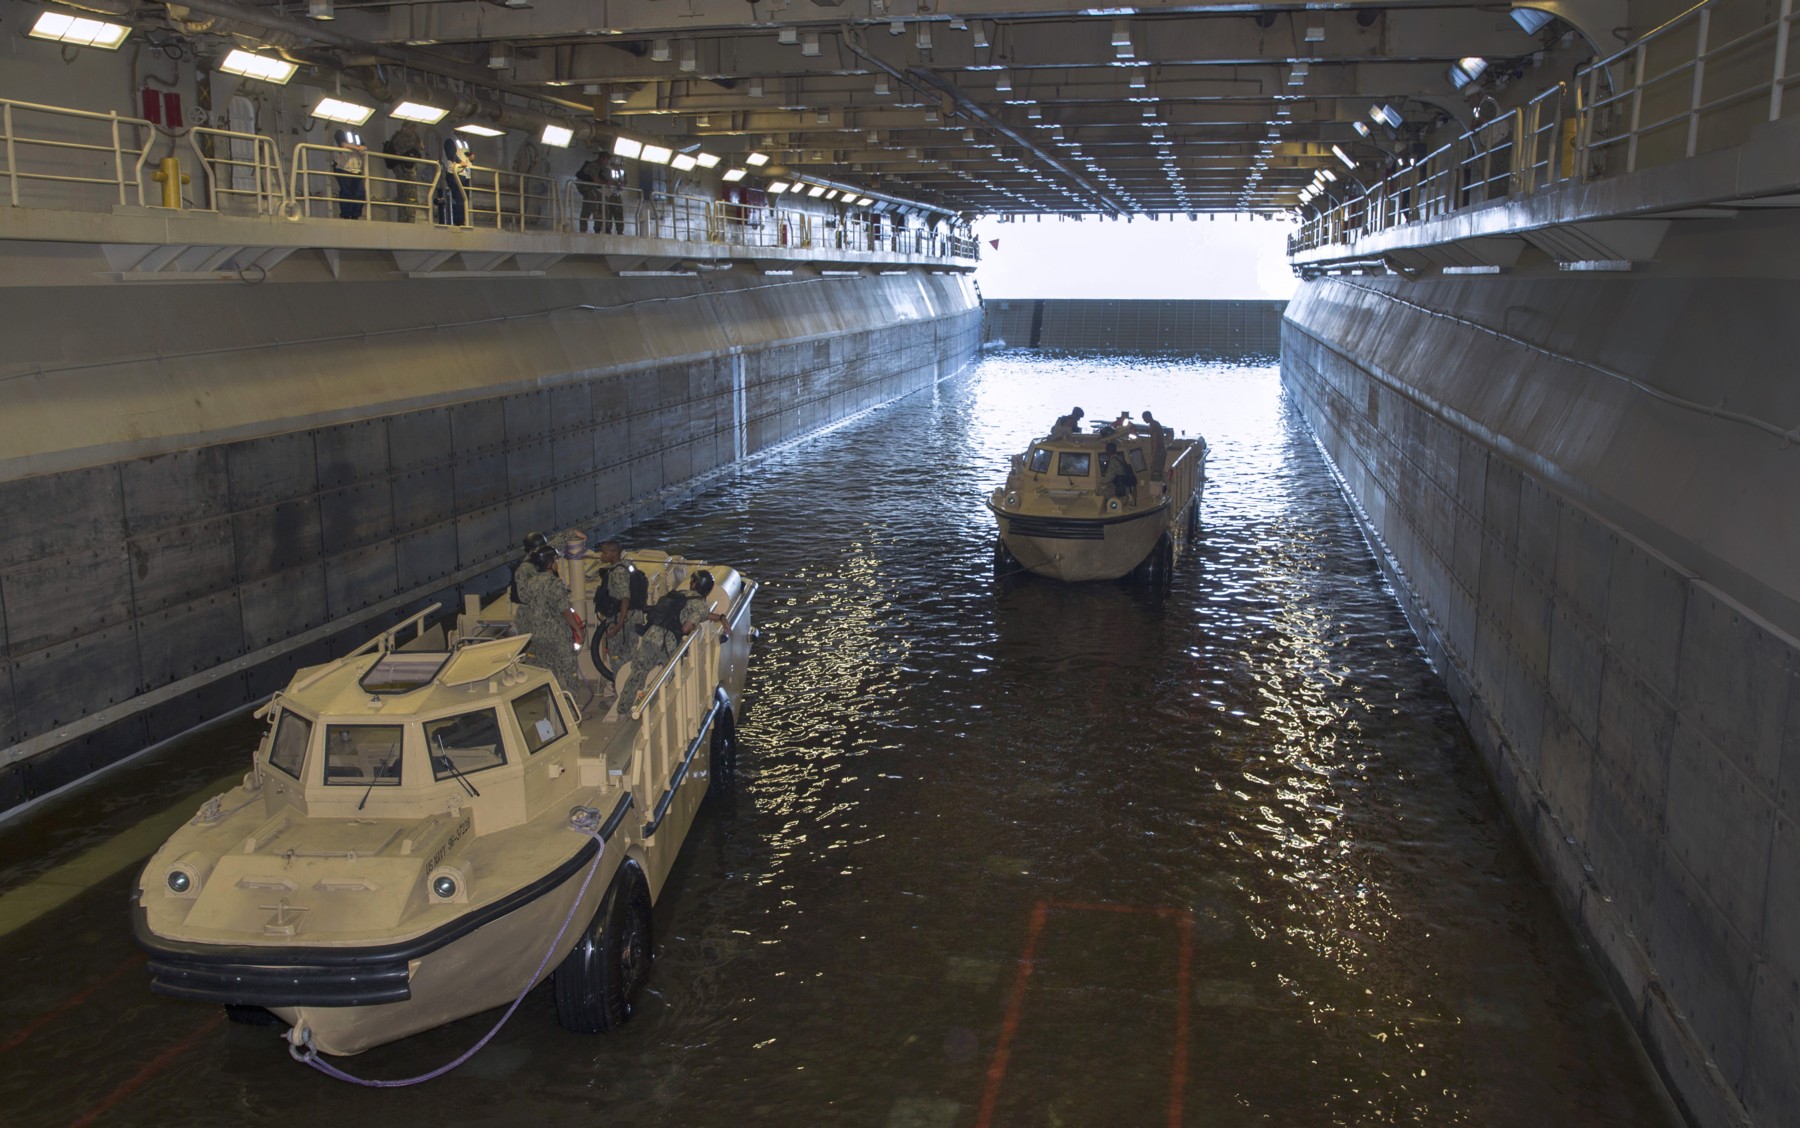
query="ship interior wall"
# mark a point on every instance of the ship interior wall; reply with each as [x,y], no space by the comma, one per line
[219,485]
[1599,562]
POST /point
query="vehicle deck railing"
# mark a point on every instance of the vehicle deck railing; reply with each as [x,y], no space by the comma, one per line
[1704,81]
[72,147]
[239,167]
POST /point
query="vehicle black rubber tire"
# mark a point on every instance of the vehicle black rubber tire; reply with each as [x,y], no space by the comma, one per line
[245,1015]
[1005,563]
[1193,520]
[597,984]
[721,780]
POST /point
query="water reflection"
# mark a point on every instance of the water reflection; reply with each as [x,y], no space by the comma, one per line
[1258,765]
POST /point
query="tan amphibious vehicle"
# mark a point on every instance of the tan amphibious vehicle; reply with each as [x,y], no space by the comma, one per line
[1099,506]
[431,827]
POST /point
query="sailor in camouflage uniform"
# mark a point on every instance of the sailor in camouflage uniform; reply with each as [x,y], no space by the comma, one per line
[669,623]
[543,613]
[621,629]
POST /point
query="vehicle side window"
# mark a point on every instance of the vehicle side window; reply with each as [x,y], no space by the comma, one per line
[468,742]
[1137,460]
[292,734]
[1073,464]
[363,755]
[1040,460]
[539,718]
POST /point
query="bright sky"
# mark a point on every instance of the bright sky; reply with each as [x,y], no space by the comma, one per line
[1227,257]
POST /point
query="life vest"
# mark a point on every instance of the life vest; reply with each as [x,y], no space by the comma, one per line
[666,612]
[606,604]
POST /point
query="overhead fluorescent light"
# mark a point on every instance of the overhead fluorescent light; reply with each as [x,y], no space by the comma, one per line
[558,136]
[1361,127]
[734,174]
[756,160]
[979,35]
[320,10]
[659,50]
[683,162]
[1343,156]
[626,147]
[1003,82]
[832,194]
[777,187]
[1386,115]
[251,65]
[809,44]
[881,84]
[1530,20]
[79,31]
[787,36]
[336,109]
[707,160]
[816,191]
[656,154]
[480,130]
[756,88]
[415,111]
[864,202]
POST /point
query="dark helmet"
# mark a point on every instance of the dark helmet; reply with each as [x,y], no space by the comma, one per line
[544,557]
[455,147]
[345,138]
[1078,413]
[701,582]
[535,541]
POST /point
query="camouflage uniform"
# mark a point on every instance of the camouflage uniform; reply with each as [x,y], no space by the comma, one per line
[623,646]
[658,645]
[542,613]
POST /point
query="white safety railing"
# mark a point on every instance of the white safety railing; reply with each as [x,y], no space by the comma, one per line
[1704,81]
[67,152]
[512,201]
[52,145]
[240,171]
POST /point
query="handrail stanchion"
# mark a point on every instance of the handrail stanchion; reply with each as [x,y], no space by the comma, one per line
[1783,23]
[1693,122]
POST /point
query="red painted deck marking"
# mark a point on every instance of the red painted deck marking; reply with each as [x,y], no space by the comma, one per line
[68,1004]
[136,1081]
[1183,974]
[1184,919]
[997,1069]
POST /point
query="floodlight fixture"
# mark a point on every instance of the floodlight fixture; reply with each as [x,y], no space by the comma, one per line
[79,31]
[777,187]
[809,44]
[683,162]
[557,136]
[756,88]
[479,130]
[881,85]
[978,35]
[816,191]
[336,109]
[1387,115]
[1003,83]
[1339,153]
[707,160]
[656,154]
[251,65]
[863,202]
[627,147]
[1361,127]
[756,160]
[787,36]
[320,10]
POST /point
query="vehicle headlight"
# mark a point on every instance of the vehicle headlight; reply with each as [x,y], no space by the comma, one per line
[1112,503]
[187,874]
[448,885]
[1012,501]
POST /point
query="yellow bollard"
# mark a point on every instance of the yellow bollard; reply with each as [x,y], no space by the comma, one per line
[168,173]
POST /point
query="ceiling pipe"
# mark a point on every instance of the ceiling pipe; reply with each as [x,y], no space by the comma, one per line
[312,31]
[917,78]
